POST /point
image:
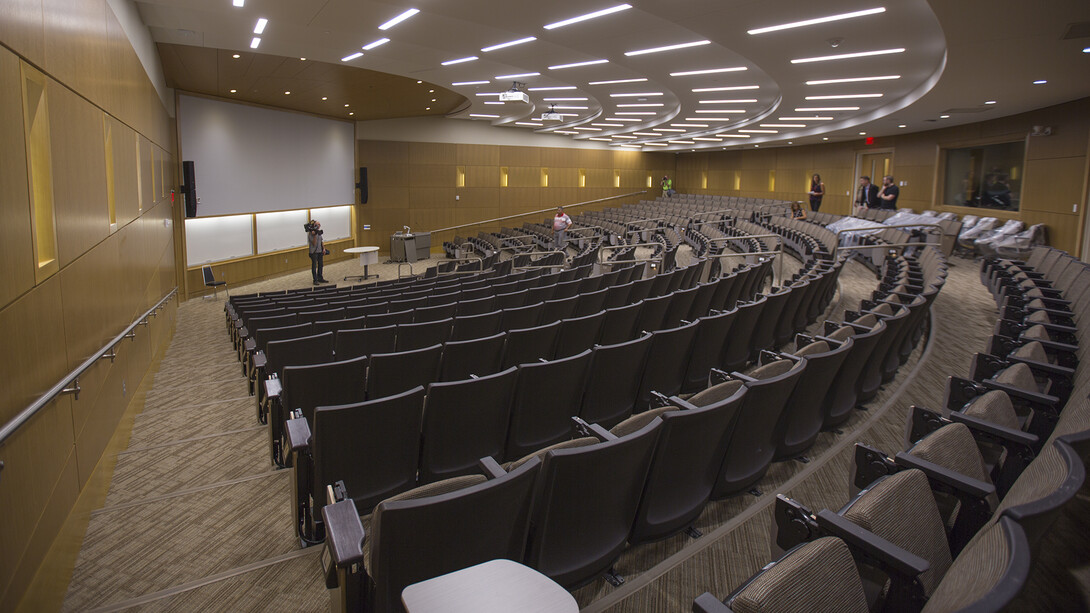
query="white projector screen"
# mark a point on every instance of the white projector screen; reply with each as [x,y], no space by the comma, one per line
[249,159]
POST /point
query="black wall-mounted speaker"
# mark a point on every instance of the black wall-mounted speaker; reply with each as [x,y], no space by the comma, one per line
[189,188]
[362,185]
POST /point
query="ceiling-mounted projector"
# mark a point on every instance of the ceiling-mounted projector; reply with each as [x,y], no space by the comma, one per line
[514,95]
[550,116]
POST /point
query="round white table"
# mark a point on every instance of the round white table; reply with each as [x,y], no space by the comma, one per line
[497,586]
[368,255]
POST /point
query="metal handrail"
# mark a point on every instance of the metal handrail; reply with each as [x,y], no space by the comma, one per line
[72,378]
[544,253]
[467,259]
[742,254]
[836,253]
[567,206]
[601,250]
[839,247]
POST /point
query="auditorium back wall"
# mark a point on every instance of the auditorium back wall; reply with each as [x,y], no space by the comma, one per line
[86,245]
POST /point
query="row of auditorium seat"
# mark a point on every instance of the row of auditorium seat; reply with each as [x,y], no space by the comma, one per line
[957,520]
[657,478]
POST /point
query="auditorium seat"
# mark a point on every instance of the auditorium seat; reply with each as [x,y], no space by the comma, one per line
[711,337]
[359,342]
[420,335]
[394,373]
[736,352]
[316,349]
[526,345]
[803,416]
[546,397]
[476,306]
[391,318]
[613,382]
[620,323]
[843,397]
[434,312]
[473,357]
[577,334]
[522,317]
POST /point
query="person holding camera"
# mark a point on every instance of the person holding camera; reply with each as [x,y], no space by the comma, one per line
[317,250]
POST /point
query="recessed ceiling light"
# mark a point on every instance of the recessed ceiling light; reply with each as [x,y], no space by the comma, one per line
[598,138]
[902,126]
[396,20]
[689,125]
[656,145]
[234,91]
[287,93]
[586,129]
[419,82]
[551,89]
[720,111]
[641,105]
[755,146]
[846,56]
[708,119]
[820,109]
[824,138]
[484,116]
[862,134]
[470,83]
[570,108]
[564,132]
[635,113]
[944,117]
[350,113]
[734,135]
[578,64]
[624,119]
[238,2]
[989,102]
[635,95]
[817,20]
[487,94]
[666,130]
[236,56]
[431,91]
[433,99]
[349,58]
[646,134]
[759,131]
[528,123]
[1086,49]
[601,13]
[689,73]
[255,42]
[260,27]
[563,99]
[325,98]
[427,108]
[681,142]
[302,59]
[490,102]
[1040,82]
[734,101]
[347,105]
[609,125]
[807,118]
[624,136]
[844,96]
[725,89]
[854,80]
[377,43]
[617,81]
[460,60]
[790,142]
[783,125]
[510,43]
[695,43]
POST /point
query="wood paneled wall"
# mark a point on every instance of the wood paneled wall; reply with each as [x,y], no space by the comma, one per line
[1055,171]
[257,267]
[104,275]
[416,184]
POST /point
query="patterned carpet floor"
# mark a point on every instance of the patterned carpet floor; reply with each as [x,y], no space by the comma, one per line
[197,519]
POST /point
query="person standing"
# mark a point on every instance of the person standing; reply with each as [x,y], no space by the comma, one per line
[887,198]
[667,186]
[316,249]
[868,193]
[561,223]
[817,192]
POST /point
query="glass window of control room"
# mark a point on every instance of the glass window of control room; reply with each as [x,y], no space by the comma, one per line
[985,176]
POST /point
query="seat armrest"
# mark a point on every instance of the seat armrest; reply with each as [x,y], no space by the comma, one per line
[994,432]
[273,388]
[1044,368]
[259,360]
[250,345]
[737,376]
[1034,397]
[956,482]
[582,428]
[490,468]
[344,533]
[298,433]
[682,404]
[707,603]
[903,562]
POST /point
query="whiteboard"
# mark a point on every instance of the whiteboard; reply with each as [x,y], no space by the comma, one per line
[249,159]
[336,221]
[281,230]
[215,239]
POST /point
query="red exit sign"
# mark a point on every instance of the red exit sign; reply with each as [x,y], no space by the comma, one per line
[869,140]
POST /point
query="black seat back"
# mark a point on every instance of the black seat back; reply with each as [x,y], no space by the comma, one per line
[316,349]
[803,417]
[578,334]
[478,356]
[426,334]
[667,362]
[842,396]
[590,302]
[463,422]
[468,327]
[735,354]
[547,396]
[653,312]
[522,317]
[530,344]
[613,382]
[764,331]
[620,324]
[711,336]
[356,342]
[316,385]
[393,373]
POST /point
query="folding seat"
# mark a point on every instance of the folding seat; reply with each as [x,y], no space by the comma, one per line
[685,464]
[302,388]
[676,279]
[372,448]
[866,333]
[557,309]
[1033,411]
[526,345]
[510,301]
[468,327]
[620,323]
[785,327]
[590,284]
[617,296]
[476,293]
[667,362]
[735,291]
[392,373]
[449,296]
[871,377]
[472,358]
[551,278]
[652,314]
[539,294]
[702,300]
[613,381]
[680,306]
[711,337]
[355,323]
[804,415]
[464,421]
[435,312]
[660,283]
[407,304]
[567,289]
[641,290]
[259,337]
[736,352]
[751,444]
[476,306]
[477,519]
[353,343]
[389,319]
[634,272]
[764,330]
[316,349]
[277,319]
[546,397]
[522,317]
[577,334]
[323,314]
[371,307]
[420,335]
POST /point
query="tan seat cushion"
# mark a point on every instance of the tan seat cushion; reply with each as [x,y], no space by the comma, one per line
[994,407]
[819,577]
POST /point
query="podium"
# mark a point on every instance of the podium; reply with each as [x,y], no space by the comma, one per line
[410,247]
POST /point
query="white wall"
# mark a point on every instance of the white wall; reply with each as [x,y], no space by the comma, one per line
[250,159]
[464,131]
[140,38]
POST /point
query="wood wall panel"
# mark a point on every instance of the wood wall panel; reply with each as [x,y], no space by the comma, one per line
[477,155]
[431,153]
[470,197]
[374,152]
[21,28]
[79,172]
[126,194]
[482,176]
[432,175]
[75,45]
[16,249]
[387,175]
[1048,186]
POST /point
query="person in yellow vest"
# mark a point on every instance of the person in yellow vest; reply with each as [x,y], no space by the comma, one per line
[667,186]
